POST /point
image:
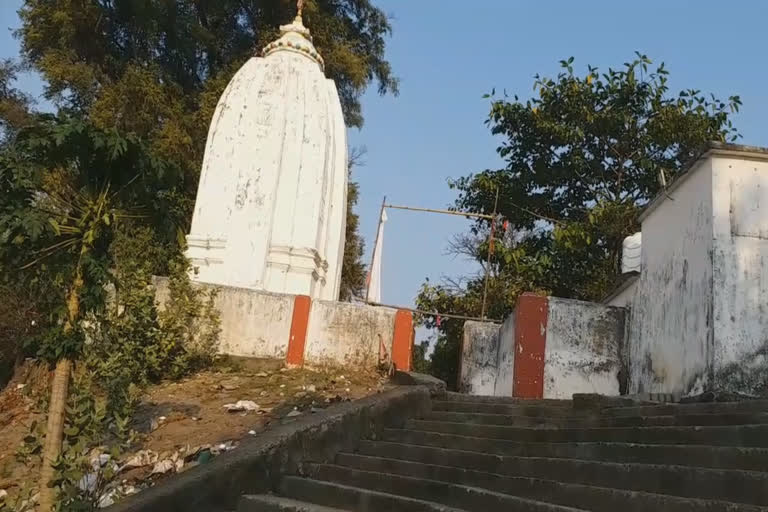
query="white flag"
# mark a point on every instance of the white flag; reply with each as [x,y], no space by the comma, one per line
[374,274]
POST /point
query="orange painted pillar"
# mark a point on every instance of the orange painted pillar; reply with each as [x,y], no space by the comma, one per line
[297,339]
[402,340]
[531,317]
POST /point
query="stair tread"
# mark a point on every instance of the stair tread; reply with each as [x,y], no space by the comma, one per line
[726,457]
[436,507]
[564,460]
[465,491]
[674,481]
[288,504]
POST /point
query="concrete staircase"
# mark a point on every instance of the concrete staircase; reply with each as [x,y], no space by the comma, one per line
[487,454]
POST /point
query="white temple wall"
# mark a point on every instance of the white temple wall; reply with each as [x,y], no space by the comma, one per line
[505,379]
[670,336]
[740,277]
[583,348]
[352,335]
[479,358]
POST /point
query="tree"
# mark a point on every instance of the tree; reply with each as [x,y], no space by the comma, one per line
[353,268]
[14,104]
[65,186]
[157,68]
[580,161]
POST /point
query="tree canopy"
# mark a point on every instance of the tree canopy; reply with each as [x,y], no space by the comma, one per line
[156,68]
[580,160]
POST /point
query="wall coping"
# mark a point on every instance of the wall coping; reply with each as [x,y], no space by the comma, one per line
[714,149]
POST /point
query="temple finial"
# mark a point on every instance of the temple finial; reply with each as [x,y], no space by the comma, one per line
[299,8]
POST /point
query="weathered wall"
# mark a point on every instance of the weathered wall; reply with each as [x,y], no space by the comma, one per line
[740,279]
[253,323]
[348,334]
[583,348]
[623,295]
[505,378]
[479,358]
[670,339]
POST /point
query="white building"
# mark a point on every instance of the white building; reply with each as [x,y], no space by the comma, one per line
[271,205]
[698,312]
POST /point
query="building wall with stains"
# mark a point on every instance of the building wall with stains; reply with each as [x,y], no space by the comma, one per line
[740,272]
[253,324]
[349,334]
[479,358]
[505,378]
[583,349]
[670,336]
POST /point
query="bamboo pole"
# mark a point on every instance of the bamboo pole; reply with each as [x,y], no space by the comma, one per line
[490,247]
[433,313]
[447,212]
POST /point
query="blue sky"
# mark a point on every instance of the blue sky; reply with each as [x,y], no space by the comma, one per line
[448,53]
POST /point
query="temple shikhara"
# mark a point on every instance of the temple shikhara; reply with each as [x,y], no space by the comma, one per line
[271,205]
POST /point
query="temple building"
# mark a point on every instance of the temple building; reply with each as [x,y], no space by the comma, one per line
[270,212]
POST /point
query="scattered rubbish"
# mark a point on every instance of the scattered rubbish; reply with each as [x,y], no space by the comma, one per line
[311,388]
[262,374]
[204,456]
[282,386]
[252,432]
[242,405]
[88,482]
[140,459]
[20,386]
[223,447]
[293,413]
[163,467]
[3,494]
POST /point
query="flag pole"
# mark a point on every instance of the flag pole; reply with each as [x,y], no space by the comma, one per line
[373,252]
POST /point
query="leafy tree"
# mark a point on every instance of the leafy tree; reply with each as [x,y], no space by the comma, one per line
[581,159]
[158,68]
[353,268]
[66,186]
[14,104]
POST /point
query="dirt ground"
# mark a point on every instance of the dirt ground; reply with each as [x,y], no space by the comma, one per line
[182,424]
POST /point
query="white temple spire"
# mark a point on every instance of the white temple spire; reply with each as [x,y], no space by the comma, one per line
[271,206]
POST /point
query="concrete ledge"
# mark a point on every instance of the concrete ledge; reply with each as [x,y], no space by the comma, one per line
[257,464]
[435,386]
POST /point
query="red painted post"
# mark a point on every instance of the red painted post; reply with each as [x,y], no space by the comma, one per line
[530,344]
[402,340]
[298,335]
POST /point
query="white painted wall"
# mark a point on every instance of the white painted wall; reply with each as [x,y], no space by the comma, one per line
[624,295]
[505,379]
[479,357]
[583,347]
[670,337]
[348,334]
[253,324]
[740,204]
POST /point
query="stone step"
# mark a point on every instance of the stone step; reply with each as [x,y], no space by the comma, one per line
[684,481]
[747,406]
[741,435]
[471,499]
[597,421]
[460,397]
[354,498]
[421,442]
[512,409]
[269,503]
[587,497]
